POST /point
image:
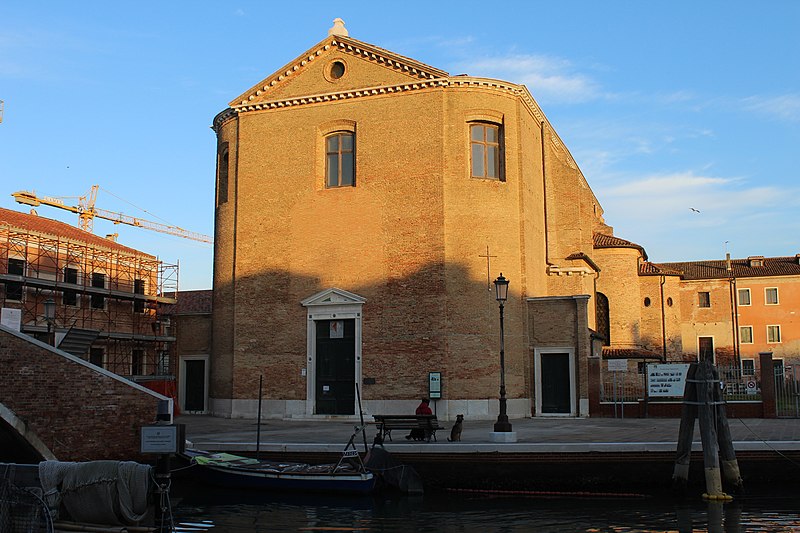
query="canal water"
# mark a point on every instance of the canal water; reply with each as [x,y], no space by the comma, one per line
[201,508]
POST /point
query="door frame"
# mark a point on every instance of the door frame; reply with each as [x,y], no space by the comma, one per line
[537,369]
[330,304]
[182,382]
[713,347]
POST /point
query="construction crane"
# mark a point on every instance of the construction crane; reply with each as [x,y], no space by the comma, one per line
[87,212]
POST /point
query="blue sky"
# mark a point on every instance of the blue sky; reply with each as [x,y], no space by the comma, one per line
[665,105]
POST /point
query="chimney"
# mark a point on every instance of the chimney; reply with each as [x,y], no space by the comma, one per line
[112,237]
[728,261]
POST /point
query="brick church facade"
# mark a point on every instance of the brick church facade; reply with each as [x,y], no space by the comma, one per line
[365,202]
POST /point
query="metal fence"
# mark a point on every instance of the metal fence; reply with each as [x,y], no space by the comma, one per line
[787,391]
[739,385]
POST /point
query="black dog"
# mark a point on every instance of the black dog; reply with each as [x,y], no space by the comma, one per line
[455,433]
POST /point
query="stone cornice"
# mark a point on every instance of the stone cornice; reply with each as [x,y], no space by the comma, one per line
[457,82]
[443,83]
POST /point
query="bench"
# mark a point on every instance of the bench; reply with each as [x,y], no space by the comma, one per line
[425,424]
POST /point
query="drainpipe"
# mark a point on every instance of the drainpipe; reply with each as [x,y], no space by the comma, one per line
[663,323]
[544,199]
[734,309]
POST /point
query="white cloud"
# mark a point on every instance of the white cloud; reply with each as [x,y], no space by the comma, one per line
[655,211]
[548,78]
[783,107]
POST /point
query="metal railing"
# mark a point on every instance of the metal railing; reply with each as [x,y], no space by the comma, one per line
[739,385]
[787,391]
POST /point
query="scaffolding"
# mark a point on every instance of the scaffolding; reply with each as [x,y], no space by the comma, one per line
[110,290]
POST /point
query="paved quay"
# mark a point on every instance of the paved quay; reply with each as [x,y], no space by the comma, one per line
[534,435]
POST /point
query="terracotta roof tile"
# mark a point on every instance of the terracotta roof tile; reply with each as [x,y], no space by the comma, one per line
[190,303]
[613,352]
[47,226]
[651,269]
[740,268]
[601,240]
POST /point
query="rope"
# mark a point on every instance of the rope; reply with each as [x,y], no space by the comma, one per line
[795,463]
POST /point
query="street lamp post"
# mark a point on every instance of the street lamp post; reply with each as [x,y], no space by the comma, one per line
[502,425]
[49,316]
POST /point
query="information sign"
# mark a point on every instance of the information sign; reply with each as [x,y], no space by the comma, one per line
[617,365]
[434,385]
[160,439]
[666,380]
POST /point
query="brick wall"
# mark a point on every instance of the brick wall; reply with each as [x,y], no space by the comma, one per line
[80,412]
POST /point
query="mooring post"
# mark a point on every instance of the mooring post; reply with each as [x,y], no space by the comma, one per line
[708,431]
[727,454]
[680,475]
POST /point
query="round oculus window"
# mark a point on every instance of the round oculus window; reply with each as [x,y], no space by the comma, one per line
[647,302]
[337,70]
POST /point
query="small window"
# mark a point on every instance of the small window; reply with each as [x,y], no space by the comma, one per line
[96,356]
[771,295]
[14,289]
[98,281]
[669,301]
[337,70]
[223,162]
[137,362]
[486,151]
[70,296]
[744,296]
[746,335]
[340,160]
[138,288]
[748,367]
[647,301]
[773,334]
[704,299]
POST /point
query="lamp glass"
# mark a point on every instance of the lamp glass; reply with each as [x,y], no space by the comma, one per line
[501,288]
[49,309]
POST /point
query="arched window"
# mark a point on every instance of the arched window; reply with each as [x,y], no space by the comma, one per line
[340,160]
[486,153]
[222,173]
[603,324]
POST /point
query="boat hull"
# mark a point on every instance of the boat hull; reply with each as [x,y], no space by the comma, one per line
[256,477]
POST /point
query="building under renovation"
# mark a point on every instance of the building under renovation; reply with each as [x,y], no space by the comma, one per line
[87,295]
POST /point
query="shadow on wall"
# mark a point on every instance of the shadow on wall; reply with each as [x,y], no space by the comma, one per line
[436,318]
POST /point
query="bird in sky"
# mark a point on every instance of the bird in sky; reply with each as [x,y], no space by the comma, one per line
[695,210]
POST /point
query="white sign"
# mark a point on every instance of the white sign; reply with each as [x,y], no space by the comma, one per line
[617,365]
[336,329]
[159,439]
[435,385]
[751,387]
[666,380]
[11,318]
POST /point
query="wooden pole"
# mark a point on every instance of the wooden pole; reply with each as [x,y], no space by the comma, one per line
[730,466]
[680,475]
[708,431]
[258,425]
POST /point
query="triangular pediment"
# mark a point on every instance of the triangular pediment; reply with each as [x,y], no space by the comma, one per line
[333,296]
[365,65]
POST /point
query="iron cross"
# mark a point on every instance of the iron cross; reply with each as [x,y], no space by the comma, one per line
[488,275]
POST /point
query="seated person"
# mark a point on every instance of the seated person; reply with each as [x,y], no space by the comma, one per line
[422,409]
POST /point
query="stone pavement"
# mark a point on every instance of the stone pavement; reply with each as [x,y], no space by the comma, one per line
[534,435]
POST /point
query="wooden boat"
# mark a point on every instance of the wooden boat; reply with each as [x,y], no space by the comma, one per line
[239,472]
